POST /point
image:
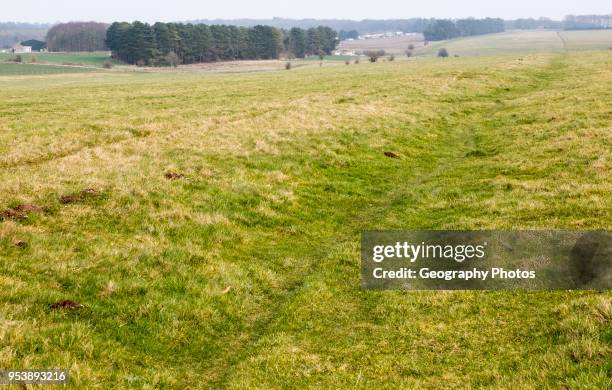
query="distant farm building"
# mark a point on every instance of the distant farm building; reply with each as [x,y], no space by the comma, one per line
[344,53]
[35,44]
[19,48]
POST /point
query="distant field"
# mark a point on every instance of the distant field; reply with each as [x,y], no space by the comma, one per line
[522,42]
[391,45]
[86,58]
[330,58]
[47,67]
[588,40]
[8,69]
[247,66]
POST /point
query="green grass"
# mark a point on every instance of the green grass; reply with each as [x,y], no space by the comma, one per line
[8,69]
[95,59]
[245,273]
[516,42]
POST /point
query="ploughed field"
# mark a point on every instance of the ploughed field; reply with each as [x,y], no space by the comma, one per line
[202,230]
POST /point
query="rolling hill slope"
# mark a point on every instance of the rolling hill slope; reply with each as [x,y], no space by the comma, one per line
[202,230]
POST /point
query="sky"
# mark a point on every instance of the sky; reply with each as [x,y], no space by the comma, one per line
[180,10]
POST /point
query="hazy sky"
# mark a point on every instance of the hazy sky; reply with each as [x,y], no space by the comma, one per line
[175,10]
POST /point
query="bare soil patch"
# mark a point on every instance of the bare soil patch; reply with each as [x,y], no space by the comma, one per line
[392,155]
[21,211]
[174,176]
[65,305]
[67,199]
[20,244]
[81,196]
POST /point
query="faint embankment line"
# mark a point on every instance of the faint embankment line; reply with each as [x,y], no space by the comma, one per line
[565,47]
[65,153]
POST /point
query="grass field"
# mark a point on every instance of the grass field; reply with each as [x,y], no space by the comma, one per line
[95,59]
[12,69]
[86,62]
[514,42]
[219,245]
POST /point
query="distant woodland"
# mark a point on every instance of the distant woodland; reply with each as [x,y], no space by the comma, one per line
[347,28]
[587,22]
[447,29]
[77,36]
[362,26]
[176,43]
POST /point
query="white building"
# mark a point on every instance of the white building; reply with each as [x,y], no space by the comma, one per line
[18,48]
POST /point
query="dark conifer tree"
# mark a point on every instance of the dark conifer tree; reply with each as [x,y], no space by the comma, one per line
[172,43]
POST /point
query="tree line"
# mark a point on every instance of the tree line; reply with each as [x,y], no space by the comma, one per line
[533,24]
[441,29]
[163,44]
[365,26]
[77,36]
[587,22]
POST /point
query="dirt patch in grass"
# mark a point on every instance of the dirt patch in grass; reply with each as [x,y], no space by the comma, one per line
[343,100]
[67,199]
[174,176]
[476,153]
[21,211]
[65,305]
[81,196]
[480,153]
[20,244]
